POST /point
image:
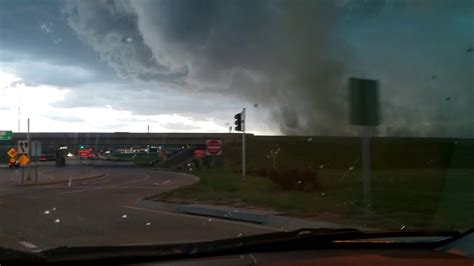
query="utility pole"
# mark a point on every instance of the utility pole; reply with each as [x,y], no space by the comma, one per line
[243,143]
[28,177]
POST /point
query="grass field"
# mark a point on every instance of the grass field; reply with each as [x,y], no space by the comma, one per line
[416,198]
[419,183]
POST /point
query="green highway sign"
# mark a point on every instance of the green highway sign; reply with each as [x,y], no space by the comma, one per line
[6,135]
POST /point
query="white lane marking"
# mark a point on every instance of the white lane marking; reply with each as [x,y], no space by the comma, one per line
[147,176]
[166,182]
[203,218]
[28,244]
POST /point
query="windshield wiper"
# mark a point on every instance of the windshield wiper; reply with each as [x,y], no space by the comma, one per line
[302,239]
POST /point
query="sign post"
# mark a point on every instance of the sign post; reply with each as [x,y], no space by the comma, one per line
[35,152]
[364,112]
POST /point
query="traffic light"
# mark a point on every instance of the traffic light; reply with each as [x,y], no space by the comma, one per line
[238,122]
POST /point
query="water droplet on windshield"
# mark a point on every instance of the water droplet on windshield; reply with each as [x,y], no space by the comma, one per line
[281,227]
[148,224]
[321,166]
[190,168]
[322,194]
[403,227]
[310,139]
[299,182]
[46,212]
[57,221]
[209,220]
[351,168]
[240,234]
[124,216]
[54,209]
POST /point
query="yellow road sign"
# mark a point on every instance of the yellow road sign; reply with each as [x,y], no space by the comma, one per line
[11,153]
[24,160]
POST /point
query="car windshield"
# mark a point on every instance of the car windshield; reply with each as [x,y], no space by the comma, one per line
[128,122]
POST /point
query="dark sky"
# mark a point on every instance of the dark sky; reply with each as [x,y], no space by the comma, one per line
[207,59]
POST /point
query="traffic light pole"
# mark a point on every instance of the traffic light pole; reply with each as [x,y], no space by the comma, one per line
[243,143]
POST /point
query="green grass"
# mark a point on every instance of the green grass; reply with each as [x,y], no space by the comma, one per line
[417,198]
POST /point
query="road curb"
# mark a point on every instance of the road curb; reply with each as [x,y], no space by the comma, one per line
[61,181]
[277,221]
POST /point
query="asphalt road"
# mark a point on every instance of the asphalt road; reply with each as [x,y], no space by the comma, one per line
[103,211]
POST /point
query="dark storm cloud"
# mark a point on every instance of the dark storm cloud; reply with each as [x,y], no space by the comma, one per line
[281,54]
[292,57]
[37,44]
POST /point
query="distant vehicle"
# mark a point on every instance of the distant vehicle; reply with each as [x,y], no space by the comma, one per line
[14,164]
[86,154]
[47,157]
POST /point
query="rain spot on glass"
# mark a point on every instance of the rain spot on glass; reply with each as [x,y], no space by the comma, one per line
[281,227]
[128,39]
[209,220]
[240,234]
[351,168]
[236,210]
[402,228]
[321,166]
[124,216]
[46,212]
[310,139]
[148,224]
[299,182]
[53,209]
[322,194]
[57,220]
[190,168]
[268,156]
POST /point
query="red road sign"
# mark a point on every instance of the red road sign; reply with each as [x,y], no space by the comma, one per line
[213,147]
[199,153]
